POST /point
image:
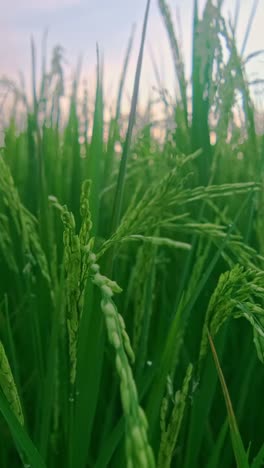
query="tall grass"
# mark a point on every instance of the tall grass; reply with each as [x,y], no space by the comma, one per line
[121,274]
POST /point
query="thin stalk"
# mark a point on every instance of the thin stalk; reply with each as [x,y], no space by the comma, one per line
[122,170]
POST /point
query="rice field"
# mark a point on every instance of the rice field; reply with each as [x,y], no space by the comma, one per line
[126,252]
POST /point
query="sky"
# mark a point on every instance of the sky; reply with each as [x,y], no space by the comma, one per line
[79,24]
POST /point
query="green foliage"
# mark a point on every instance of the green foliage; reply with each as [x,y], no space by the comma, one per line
[238,448]
[8,386]
[239,293]
[169,434]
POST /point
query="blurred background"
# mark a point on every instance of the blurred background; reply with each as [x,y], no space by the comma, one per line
[77,25]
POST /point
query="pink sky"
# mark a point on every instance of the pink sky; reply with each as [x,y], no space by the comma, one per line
[79,24]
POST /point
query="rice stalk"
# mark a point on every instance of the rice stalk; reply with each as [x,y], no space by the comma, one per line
[8,386]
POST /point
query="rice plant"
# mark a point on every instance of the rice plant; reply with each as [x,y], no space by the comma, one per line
[122,272]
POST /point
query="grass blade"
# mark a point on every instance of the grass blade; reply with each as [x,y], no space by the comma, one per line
[117,207]
[22,440]
[238,447]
